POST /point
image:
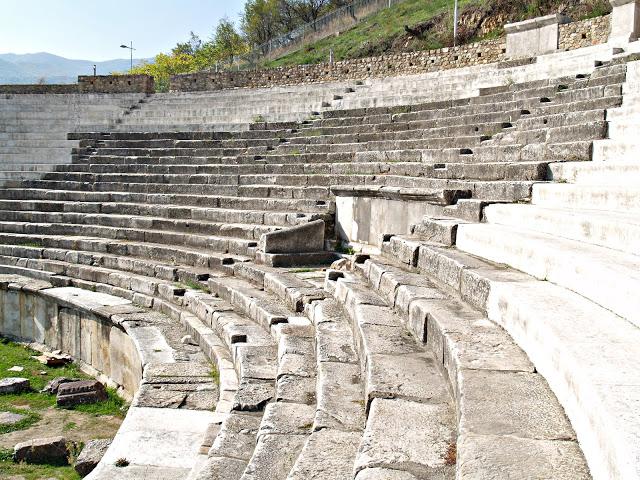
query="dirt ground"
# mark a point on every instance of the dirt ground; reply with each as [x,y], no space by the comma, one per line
[74,426]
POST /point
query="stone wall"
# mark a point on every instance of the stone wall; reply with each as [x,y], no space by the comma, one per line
[38,89]
[571,36]
[116,84]
[585,33]
[91,339]
[89,84]
[398,64]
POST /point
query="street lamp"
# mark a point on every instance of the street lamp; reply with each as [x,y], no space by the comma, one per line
[131,49]
[455,21]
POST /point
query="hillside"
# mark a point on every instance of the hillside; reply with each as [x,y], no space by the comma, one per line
[418,25]
[32,67]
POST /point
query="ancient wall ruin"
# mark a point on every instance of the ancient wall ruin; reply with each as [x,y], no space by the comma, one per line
[571,36]
[88,84]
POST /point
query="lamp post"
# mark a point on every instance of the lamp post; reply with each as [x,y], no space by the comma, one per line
[131,49]
[455,21]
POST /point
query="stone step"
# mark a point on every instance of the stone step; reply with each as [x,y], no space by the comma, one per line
[236,230]
[565,342]
[478,357]
[622,199]
[617,231]
[589,270]
[229,209]
[164,253]
[624,150]
[596,173]
[409,411]
[231,245]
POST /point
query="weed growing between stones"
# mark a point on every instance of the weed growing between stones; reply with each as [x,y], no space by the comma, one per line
[215,374]
[194,285]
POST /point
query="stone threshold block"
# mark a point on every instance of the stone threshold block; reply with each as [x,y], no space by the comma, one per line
[625,22]
[365,213]
[533,37]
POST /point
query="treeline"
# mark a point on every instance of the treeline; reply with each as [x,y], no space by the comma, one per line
[261,21]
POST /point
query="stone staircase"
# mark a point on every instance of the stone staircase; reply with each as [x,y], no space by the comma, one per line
[33,128]
[573,309]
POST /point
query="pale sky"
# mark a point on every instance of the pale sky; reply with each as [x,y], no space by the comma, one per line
[94,30]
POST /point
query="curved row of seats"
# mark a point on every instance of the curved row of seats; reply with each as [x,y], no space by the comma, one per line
[379,371]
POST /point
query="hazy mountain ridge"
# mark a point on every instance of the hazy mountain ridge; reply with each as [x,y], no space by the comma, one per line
[32,67]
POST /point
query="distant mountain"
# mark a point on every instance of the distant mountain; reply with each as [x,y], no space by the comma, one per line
[32,67]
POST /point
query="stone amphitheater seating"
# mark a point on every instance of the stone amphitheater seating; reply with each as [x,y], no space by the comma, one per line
[33,128]
[495,339]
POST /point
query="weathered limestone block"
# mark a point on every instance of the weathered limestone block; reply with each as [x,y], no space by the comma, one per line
[306,238]
[90,456]
[625,21]
[534,37]
[52,451]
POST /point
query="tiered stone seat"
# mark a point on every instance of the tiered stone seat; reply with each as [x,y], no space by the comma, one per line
[33,128]
[229,110]
[423,361]
[574,309]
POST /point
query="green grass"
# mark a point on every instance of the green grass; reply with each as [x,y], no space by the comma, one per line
[303,270]
[215,374]
[377,30]
[194,285]
[33,472]
[39,375]
[341,248]
[31,417]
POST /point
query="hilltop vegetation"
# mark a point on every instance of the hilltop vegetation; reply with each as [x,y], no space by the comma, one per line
[418,25]
[407,26]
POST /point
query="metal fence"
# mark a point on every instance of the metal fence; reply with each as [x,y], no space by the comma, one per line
[324,26]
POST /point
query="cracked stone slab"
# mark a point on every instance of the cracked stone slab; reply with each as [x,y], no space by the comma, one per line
[334,342]
[409,436]
[274,457]
[340,397]
[511,403]
[237,437]
[259,362]
[489,457]
[287,419]
[296,389]
[253,394]
[219,468]
[412,377]
[327,455]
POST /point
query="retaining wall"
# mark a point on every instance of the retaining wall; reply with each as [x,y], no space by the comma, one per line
[571,36]
[89,84]
[43,316]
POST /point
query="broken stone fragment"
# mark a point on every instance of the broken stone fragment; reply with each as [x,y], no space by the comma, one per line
[54,359]
[90,456]
[81,392]
[49,451]
[53,385]
[14,385]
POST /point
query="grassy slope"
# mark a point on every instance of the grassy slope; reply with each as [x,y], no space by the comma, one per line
[384,31]
[378,28]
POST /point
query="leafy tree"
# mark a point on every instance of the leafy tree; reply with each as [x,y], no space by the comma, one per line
[190,47]
[227,42]
[261,20]
[163,67]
